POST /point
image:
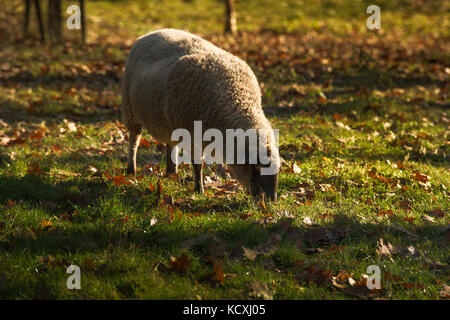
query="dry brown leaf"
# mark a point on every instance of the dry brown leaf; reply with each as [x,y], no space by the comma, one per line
[89,264]
[217,275]
[420,177]
[46,224]
[308,221]
[260,290]
[342,280]
[445,292]
[428,218]
[438,213]
[389,213]
[179,264]
[11,203]
[265,248]
[250,254]
[316,275]
[387,250]
[361,290]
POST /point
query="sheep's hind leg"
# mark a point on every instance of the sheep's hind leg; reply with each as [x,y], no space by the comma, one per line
[135,138]
[171,167]
[198,177]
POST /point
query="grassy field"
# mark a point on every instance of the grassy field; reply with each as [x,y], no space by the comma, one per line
[364,133]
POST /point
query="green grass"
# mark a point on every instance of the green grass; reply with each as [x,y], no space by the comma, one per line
[345,99]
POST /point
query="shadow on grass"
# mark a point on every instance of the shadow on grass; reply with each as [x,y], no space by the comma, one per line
[15,113]
[41,191]
[96,232]
[98,236]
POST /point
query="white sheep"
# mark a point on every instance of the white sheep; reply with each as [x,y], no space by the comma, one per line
[173,78]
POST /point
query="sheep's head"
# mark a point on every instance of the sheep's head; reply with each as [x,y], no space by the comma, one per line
[262,177]
[257,184]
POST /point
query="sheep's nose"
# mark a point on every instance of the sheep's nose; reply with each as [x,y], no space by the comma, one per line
[270,186]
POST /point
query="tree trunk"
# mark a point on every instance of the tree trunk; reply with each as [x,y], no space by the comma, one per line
[83,20]
[230,15]
[26,21]
[54,20]
[39,17]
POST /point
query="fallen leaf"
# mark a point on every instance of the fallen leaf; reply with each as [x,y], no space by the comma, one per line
[409,219]
[260,290]
[445,292]
[315,275]
[308,221]
[389,213]
[342,280]
[11,203]
[361,290]
[37,134]
[179,264]
[420,177]
[387,250]
[34,169]
[92,169]
[120,180]
[89,264]
[216,276]
[144,143]
[436,265]
[265,248]
[71,126]
[250,254]
[46,224]
[438,213]
[428,218]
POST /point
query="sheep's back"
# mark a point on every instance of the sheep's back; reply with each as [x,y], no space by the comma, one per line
[218,89]
[173,78]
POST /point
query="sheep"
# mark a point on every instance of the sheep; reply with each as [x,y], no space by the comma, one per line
[173,78]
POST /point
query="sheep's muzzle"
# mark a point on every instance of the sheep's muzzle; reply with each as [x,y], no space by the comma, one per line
[264,184]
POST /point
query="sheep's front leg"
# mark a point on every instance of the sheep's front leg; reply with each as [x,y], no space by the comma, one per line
[135,138]
[171,167]
[198,177]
